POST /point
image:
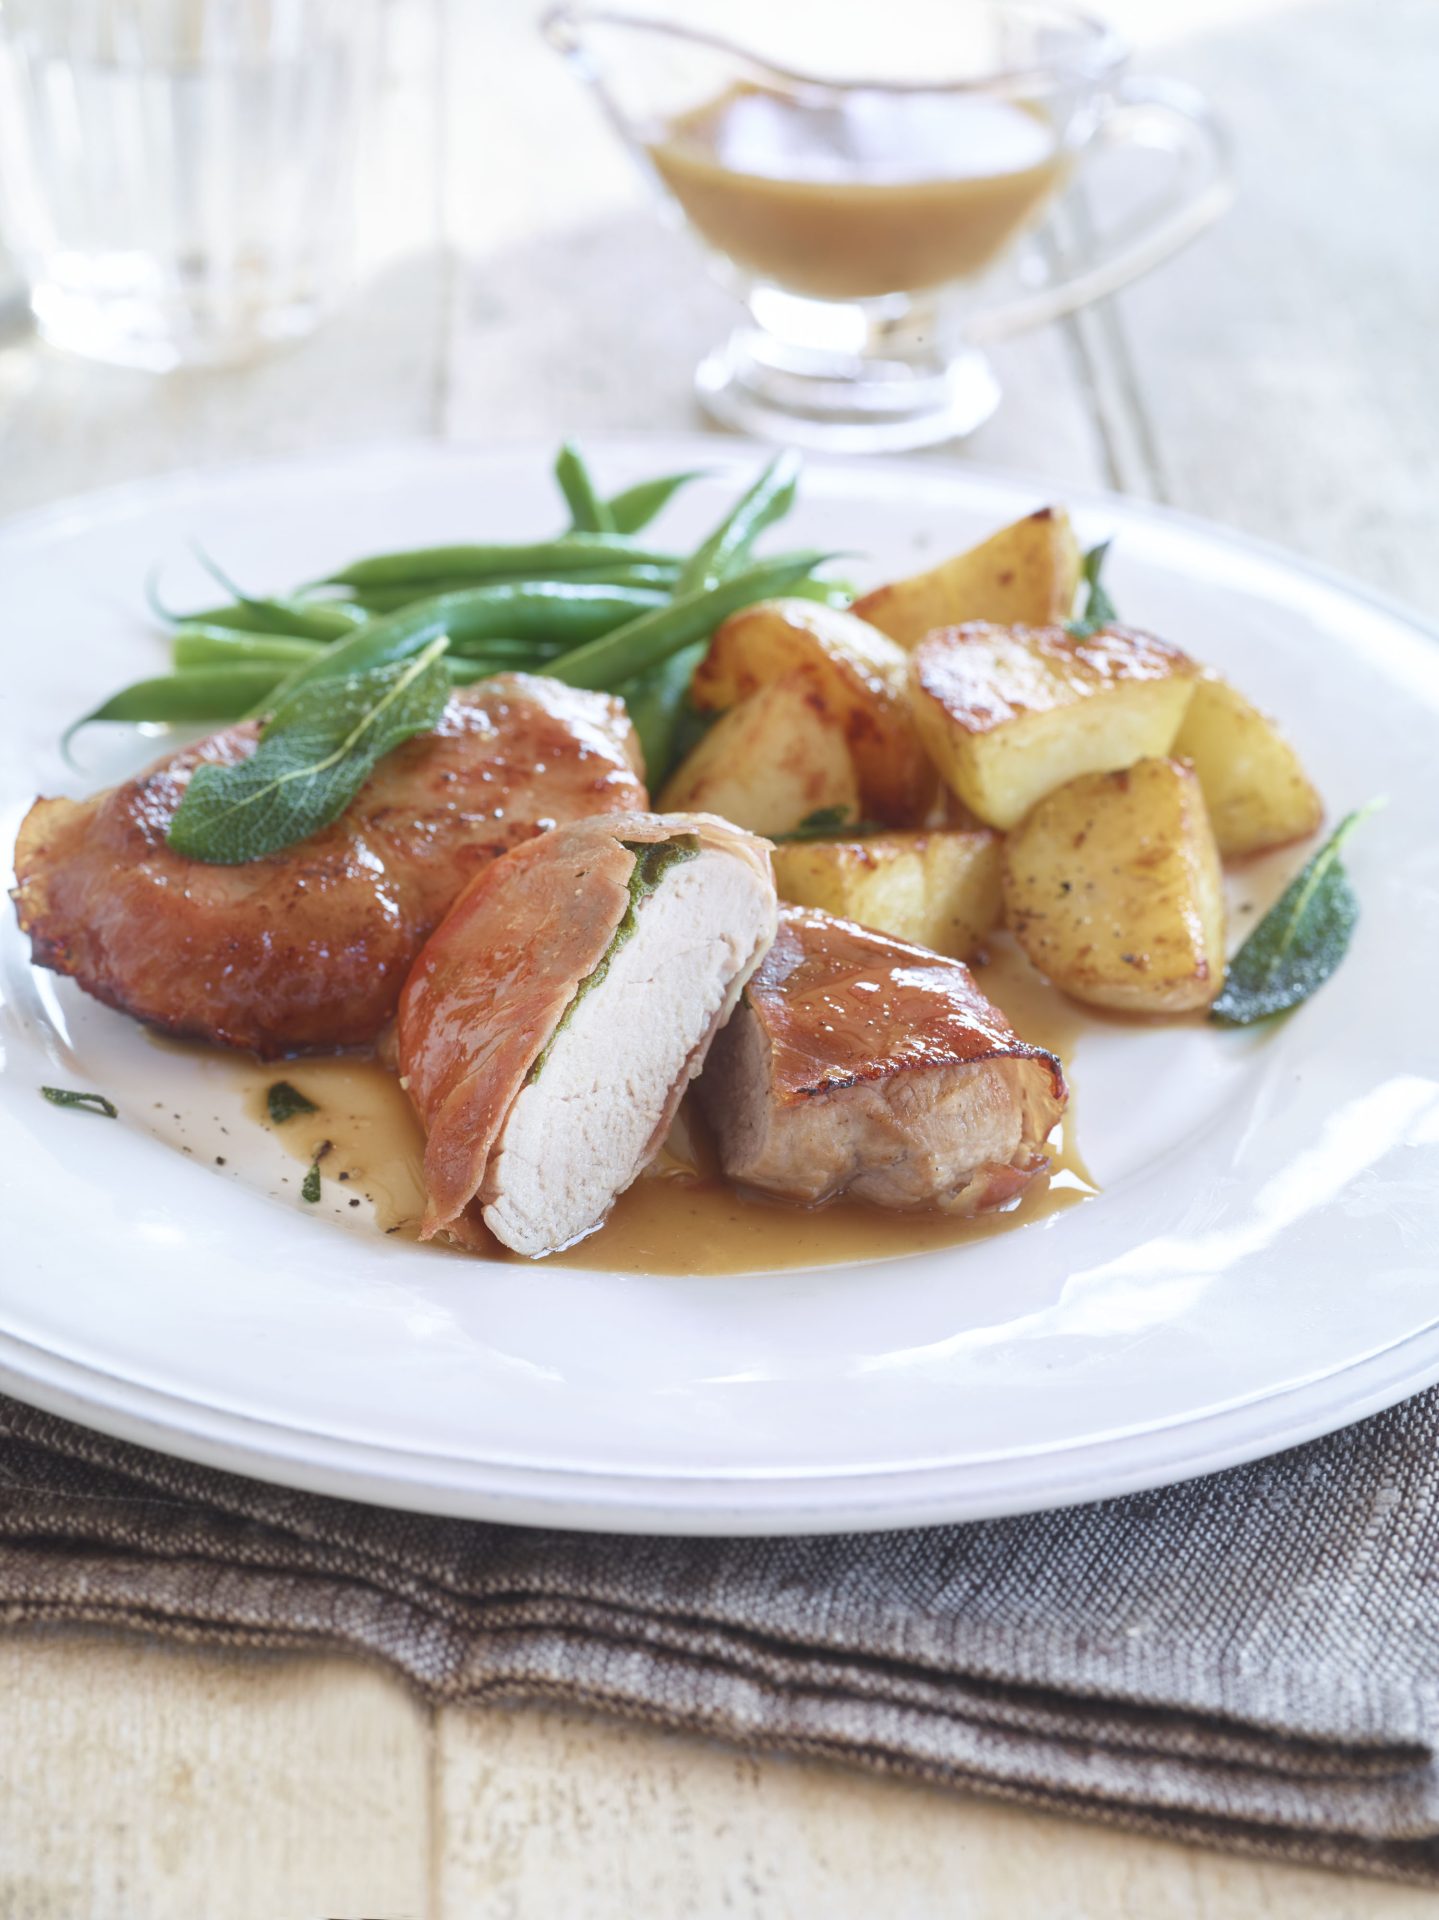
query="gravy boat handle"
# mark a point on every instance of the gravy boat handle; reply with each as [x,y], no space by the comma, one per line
[1157,116]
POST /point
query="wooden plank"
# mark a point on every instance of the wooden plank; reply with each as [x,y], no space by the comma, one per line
[145,1781]
[543,1813]
[157,1782]
[1287,365]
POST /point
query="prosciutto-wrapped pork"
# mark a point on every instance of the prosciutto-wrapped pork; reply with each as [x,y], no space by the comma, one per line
[861,1065]
[309,948]
[551,1025]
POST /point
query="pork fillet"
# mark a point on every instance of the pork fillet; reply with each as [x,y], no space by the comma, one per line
[552,1023]
[309,948]
[856,1064]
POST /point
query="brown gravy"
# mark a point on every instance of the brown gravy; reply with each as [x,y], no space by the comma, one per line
[364,1131]
[681,1217]
[850,196]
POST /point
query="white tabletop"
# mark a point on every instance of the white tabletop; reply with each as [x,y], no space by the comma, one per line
[1282,377]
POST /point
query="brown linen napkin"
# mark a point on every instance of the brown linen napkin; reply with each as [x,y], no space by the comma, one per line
[1248,1660]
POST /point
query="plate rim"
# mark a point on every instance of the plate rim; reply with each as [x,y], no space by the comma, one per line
[659,1503]
[32,521]
[698,1506]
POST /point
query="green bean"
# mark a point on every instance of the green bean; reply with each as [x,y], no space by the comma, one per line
[378,600]
[554,611]
[656,703]
[500,656]
[195,646]
[768,500]
[246,614]
[573,615]
[204,693]
[664,576]
[507,647]
[375,601]
[535,560]
[830,593]
[588,512]
[633,509]
[330,622]
[292,619]
[634,649]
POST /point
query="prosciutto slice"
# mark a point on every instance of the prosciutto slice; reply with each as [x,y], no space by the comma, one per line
[552,1023]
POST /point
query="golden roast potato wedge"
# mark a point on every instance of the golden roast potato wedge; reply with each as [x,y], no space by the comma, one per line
[861,677]
[939,889]
[1113,888]
[1024,575]
[1257,793]
[770,762]
[1008,714]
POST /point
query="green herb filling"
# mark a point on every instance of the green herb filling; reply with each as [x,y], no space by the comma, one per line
[653,861]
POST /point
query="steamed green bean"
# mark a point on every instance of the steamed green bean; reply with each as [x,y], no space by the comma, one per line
[196,646]
[641,645]
[768,500]
[588,512]
[199,693]
[538,560]
[378,600]
[632,510]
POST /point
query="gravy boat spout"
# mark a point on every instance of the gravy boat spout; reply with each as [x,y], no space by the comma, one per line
[648,71]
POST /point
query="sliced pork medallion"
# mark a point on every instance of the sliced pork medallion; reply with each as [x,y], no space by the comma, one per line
[861,1065]
[310,947]
[552,1023]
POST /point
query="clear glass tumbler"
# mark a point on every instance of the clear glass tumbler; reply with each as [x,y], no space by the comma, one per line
[178,177]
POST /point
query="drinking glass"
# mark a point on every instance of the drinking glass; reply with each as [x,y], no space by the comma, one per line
[177,177]
[864,216]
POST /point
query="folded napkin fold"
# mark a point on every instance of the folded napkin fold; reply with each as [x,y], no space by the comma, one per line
[1248,1660]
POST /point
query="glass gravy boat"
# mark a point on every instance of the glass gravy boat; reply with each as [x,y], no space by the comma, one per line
[861,219]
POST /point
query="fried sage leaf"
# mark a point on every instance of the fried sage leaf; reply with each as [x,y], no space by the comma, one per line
[1298,943]
[283,1102]
[1098,610]
[317,750]
[828,823]
[89,1102]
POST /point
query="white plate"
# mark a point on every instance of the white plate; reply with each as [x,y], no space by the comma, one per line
[1263,1264]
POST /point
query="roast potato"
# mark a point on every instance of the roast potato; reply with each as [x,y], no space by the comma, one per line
[770,762]
[861,677]
[939,889]
[1113,888]
[1024,575]
[1257,793]
[1008,714]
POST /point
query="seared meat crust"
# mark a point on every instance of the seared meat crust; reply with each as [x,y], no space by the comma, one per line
[861,1065]
[309,948]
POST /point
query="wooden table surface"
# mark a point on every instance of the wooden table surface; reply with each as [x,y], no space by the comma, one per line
[1281,377]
